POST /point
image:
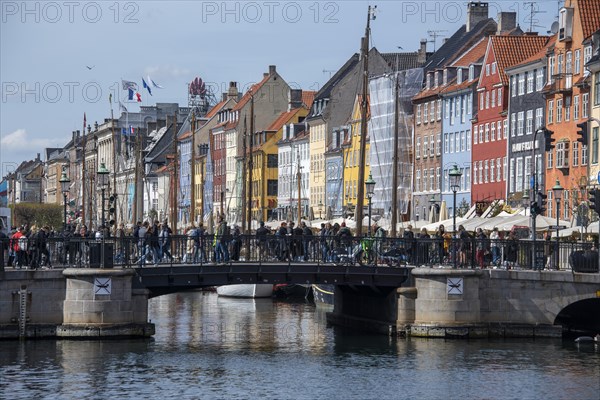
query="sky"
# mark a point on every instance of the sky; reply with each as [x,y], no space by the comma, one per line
[59,60]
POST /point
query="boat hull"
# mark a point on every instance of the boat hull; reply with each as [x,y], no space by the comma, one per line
[250,291]
[323,294]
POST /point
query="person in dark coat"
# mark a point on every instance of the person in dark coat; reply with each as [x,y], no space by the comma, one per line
[409,243]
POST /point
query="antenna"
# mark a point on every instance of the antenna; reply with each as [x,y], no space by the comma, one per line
[533,11]
[329,71]
[434,35]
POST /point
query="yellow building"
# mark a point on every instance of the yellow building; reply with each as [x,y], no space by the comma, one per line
[350,139]
[264,171]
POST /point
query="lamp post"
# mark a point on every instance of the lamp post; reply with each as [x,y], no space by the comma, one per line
[431,207]
[103,173]
[558,191]
[454,175]
[65,182]
[370,188]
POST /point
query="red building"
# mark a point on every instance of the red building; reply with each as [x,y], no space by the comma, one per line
[490,124]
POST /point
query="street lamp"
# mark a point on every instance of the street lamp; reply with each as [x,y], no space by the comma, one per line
[431,206]
[454,175]
[558,191]
[103,173]
[65,182]
[370,188]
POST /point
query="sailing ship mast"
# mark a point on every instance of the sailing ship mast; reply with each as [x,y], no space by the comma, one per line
[395,157]
[193,170]
[358,213]
[298,177]
[250,167]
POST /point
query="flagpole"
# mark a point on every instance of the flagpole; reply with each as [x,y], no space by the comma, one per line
[83,172]
[114,140]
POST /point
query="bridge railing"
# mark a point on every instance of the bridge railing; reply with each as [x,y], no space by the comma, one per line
[210,249]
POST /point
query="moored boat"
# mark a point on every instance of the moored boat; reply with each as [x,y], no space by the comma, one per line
[246,290]
[323,294]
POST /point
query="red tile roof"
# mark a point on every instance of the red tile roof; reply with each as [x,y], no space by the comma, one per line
[589,14]
[184,136]
[474,55]
[213,111]
[283,118]
[253,89]
[308,96]
[541,53]
[432,91]
[512,50]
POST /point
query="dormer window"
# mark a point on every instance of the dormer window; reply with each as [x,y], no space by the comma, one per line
[565,24]
[459,78]
[471,72]
[428,81]
[445,76]
[436,79]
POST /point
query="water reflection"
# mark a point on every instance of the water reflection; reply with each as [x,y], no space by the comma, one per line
[211,347]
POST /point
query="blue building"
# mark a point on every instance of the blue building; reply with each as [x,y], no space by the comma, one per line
[459,103]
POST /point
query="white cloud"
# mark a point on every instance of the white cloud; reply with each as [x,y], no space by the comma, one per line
[20,146]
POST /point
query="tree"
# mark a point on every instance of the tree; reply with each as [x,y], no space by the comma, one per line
[37,214]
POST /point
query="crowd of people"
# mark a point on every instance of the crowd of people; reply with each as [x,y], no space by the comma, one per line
[152,243]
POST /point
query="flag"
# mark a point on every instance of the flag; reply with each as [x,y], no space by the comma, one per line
[122,107]
[138,97]
[130,93]
[127,85]
[132,130]
[84,123]
[154,84]
[146,86]
[110,98]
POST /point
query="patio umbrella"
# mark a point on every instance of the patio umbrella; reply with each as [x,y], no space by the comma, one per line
[443,211]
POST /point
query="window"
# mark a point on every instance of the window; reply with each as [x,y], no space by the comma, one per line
[511,180]
[425,112]
[457,140]
[577,61]
[481,99]
[487,99]
[529,122]
[559,64]
[474,173]
[487,69]
[438,144]
[452,143]
[550,111]
[513,86]
[463,141]
[549,160]
[520,117]
[418,148]
[584,154]
[486,171]
[530,82]
[499,97]
[575,153]
[487,132]
[456,106]
[505,128]
[446,180]
[439,109]
[431,146]
[550,203]
[585,104]
[474,134]
[527,173]
[519,175]
[559,110]
[471,72]
[551,69]
[459,78]
[480,171]
[480,133]
[521,84]
[447,114]
[569,63]
[493,68]
[446,144]
[539,79]
[595,145]
[463,106]
[470,104]
[539,118]
[565,205]
[493,98]
[272,161]
[431,179]
[418,114]
[562,154]
[567,108]
[499,124]
[437,178]
[587,54]
[492,171]
[432,112]
[493,132]
[504,166]
[597,89]
[468,140]
[272,187]
[513,124]
[468,177]
[418,181]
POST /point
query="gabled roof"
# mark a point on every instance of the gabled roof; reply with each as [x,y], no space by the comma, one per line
[283,118]
[213,111]
[403,60]
[541,54]
[475,54]
[512,50]
[253,89]
[589,14]
[456,44]
[308,96]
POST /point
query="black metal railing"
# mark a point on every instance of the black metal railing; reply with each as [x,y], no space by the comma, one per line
[210,249]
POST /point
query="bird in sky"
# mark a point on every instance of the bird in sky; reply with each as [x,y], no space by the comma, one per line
[88,67]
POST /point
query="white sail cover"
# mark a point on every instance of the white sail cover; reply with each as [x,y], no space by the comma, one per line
[381,134]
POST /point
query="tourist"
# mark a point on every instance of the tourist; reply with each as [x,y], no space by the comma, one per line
[307,236]
[323,241]
[408,238]
[481,247]
[495,246]
[261,240]
[464,245]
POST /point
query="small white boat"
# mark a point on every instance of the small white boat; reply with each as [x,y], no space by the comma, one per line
[583,339]
[248,290]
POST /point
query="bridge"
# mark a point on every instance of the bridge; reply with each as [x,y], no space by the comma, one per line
[428,298]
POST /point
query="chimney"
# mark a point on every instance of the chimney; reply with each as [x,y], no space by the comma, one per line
[224,97]
[37,158]
[232,93]
[272,69]
[507,21]
[295,99]
[74,138]
[477,11]
[422,53]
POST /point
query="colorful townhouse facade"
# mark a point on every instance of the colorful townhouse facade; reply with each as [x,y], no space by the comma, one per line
[593,65]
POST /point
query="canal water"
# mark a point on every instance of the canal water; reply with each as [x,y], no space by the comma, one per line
[211,347]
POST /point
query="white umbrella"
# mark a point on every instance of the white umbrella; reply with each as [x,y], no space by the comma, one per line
[448,224]
[443,211]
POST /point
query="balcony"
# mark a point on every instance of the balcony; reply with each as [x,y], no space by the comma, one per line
[561,83]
